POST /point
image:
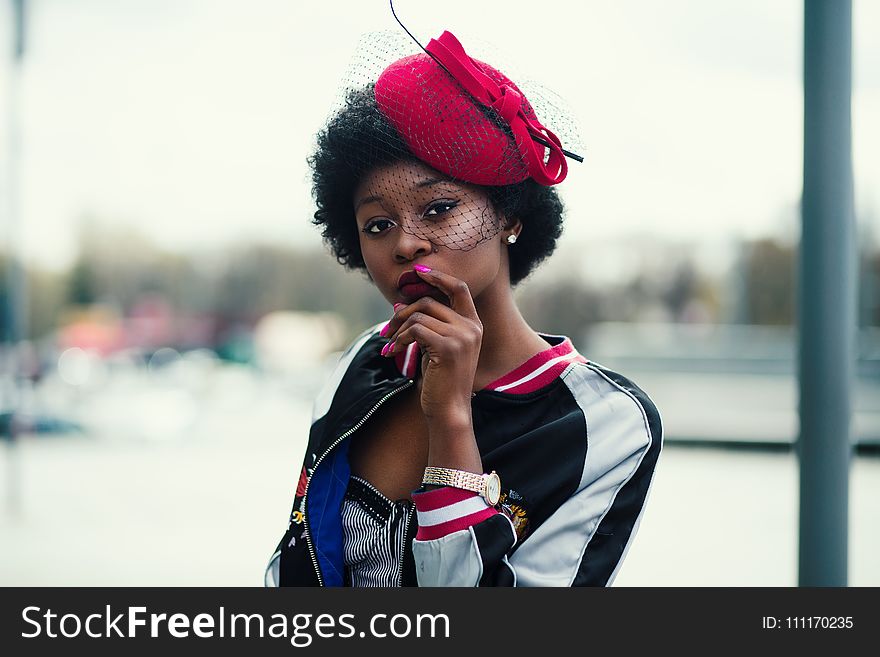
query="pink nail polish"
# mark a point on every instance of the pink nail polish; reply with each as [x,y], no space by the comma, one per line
[383,330]
[385,349]
[422,268]
[398,306]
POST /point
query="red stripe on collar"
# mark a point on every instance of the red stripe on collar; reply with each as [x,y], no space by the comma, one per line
[539,370]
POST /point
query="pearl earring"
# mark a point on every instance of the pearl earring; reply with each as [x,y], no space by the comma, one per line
[511,239]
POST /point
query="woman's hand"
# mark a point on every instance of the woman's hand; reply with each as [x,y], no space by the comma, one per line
[450,339]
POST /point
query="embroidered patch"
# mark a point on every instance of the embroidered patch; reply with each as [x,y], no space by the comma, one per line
[299,497]
[301,484]
[514,507]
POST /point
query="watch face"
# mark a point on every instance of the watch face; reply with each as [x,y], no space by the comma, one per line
[493,489]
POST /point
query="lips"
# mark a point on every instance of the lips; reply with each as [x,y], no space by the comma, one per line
[412,287]
[408,278]
[418,290]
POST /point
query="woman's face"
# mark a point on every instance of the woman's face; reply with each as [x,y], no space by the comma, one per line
[406,211]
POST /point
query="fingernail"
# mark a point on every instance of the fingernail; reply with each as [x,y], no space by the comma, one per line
[384,330]
[422,268]
[398,306]
[387,348]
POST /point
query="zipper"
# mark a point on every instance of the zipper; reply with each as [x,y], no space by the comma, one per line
[409,517]
[321,458]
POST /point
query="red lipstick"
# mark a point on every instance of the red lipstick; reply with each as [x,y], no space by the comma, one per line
[408,278]
[412,287]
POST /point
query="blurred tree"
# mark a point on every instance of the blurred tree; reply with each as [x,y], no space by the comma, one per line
[565,307]
[258,279]
[46,293]
[682,288]
[82,284]
[869,271]
[769,282]
[870,289]
[115,265]
[45,302]
[236,286]
[232,288]
[4,298]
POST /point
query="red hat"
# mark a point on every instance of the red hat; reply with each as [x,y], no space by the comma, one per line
[467,119]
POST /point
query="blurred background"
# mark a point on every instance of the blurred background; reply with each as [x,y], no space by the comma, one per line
[155,224]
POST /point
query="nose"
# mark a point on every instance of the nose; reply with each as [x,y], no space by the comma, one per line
[410,246]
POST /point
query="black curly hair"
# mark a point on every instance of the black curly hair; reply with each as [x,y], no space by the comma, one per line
[358,138]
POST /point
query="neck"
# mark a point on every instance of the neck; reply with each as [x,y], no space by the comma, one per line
[508,341]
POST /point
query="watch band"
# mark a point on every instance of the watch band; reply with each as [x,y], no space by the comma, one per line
[487,485]
[455,478]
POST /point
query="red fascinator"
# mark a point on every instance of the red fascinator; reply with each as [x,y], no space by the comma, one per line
[467,119]
[412,126]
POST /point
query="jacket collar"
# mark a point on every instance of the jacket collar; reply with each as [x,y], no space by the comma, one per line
[538,371]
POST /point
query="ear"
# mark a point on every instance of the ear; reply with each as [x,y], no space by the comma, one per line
[513,226]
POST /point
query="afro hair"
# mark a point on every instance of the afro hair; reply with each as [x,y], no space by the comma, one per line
[358,138]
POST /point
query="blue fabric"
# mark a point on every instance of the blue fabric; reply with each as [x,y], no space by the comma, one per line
[326,492]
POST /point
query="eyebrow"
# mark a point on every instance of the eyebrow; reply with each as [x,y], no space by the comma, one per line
[433,181]
[428,182]
[365,200]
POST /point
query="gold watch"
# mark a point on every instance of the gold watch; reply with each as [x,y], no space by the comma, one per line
[487,485]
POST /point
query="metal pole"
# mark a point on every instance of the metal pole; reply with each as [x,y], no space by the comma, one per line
[827,295]
[15,329]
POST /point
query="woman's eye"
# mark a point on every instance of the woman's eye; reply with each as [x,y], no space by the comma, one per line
[439,208]
[375,227]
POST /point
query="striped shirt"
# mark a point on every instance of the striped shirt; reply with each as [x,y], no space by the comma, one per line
[374,531]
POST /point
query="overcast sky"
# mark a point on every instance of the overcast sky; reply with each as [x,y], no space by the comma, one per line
[192,119]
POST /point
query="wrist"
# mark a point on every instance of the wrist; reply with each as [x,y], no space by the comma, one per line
[452,444]
[451,423]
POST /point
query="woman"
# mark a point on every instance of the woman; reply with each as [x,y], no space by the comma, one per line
[454,445]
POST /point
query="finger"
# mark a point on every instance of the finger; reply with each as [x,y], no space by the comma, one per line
[426,338]
[386,329]
[439,327]
[426,306]
[456,289]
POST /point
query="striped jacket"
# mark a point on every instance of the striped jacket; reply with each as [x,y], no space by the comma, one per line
[575,445]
